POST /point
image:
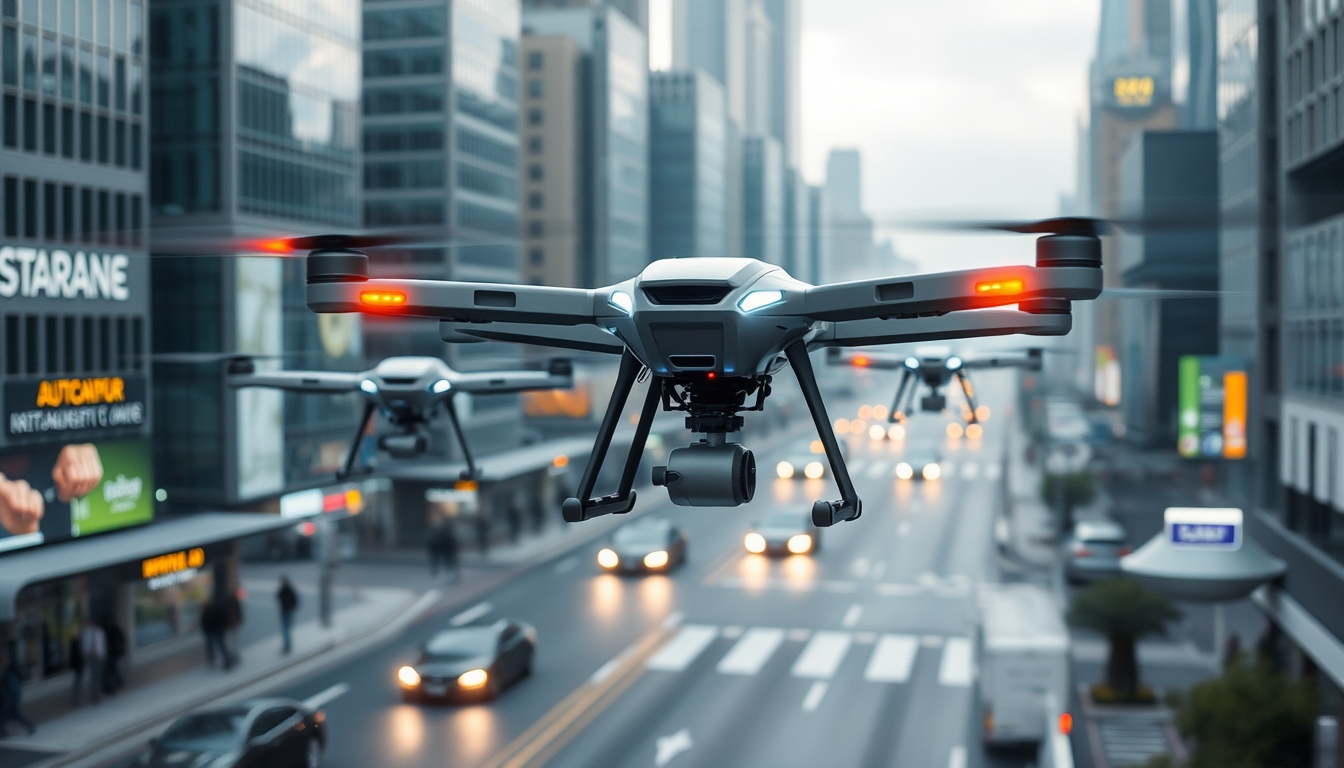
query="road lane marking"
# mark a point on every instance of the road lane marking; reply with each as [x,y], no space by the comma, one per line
[566,565]
[749,654]
[814,695]
[956,667]
[471,614]
[683,649]
[322,698]
[799,635]
[957,757]
[893,658]
[668,747]
[931,641]
[549,734]
[732,632]
[865,638]
[822,654]
[852,616]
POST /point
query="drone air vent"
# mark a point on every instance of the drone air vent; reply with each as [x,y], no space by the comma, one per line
[711,293]
[398,382]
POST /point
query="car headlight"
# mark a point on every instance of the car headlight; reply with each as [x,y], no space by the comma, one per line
[896,432]
[877,432]
[814,470]
[472,678]
[755,543]
[608,558]
[656,559]
[932,471]
[408,677]
[800,544]
[784,469]
[904,471]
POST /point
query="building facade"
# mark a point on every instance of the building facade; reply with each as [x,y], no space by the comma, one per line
[848,228]
[763,200]
[688,180]
[555,160]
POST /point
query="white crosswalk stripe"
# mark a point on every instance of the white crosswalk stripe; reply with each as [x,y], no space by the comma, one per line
[822,655]
[690,641]
[752,651]
[956,666]
[893,658]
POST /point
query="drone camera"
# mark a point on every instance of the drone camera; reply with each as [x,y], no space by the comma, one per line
[933,403]
[560,367]
[705,475]
[405,446]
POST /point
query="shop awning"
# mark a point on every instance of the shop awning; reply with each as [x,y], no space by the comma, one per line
[505,465]
[57,561]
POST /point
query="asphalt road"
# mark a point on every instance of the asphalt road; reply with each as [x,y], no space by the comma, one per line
[858,656]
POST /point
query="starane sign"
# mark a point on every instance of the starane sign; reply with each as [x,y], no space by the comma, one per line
[34,273]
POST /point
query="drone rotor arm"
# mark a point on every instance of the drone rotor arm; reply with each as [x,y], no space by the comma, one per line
[329,382]
[957,325]
[510,381]
[907,376]
[460,301]
[969,392]
[583,338]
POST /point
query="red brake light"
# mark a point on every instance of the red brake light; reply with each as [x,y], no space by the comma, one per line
[1125,551]
[382,298]
[999,287]
[1080,551]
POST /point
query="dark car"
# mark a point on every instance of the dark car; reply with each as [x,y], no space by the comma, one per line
[258,733]
[1095,549]
[784,533]
[920,464]
[473,663]
[650,545]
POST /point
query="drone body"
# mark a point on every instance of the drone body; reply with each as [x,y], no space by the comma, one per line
[710,334]
[408,391]
[934,368]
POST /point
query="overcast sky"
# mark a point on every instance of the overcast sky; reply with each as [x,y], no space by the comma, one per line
[960,108]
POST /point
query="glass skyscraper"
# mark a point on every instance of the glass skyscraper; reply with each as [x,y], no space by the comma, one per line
[763,199]
[688,172]
[255,133]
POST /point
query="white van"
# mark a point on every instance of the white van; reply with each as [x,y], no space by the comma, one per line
[1024,654]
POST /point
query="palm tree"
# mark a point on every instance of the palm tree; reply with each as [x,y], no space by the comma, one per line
[1125,612]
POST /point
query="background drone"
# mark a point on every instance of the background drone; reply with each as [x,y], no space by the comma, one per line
[409,392]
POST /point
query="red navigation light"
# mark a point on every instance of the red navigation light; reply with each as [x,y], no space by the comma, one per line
[1065,723]
[999,287]
[711,374]
[382,298]
[861,361]
[276,245]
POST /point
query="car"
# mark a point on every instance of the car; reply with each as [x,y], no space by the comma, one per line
[784,532]
[920,464]
[470,664]
[810,464]
[257,733]
[650,545]
[1094,550]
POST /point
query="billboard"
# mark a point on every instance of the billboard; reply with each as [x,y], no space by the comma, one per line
[52,409]
[73,490]
[1211,407]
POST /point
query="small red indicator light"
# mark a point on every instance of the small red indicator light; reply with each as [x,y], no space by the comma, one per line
[1065,723]
[862,361]
[711,374]
[999,287]
[277,245]
[382,298]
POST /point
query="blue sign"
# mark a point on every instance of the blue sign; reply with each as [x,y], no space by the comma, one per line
[1193,534]
[1195,528]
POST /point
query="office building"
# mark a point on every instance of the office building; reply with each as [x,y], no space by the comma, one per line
[797,260]
[786,24]
[636,11]
[818,249]
[251,140]
[554,160]
[614,176]
[1166,173]
[687,128]
[849,230]
[763,200]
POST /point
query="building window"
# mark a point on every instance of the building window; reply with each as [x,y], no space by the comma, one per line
[86,214]
[534,144]
[49,211]
[104,217]
[11,121]
[123,345]
[29,208]
[104,139]
[534,88]
[535,60]
[67,132]
[68,213]
[68,347]
[86,343]
[534,117]
[49,129]
[30,125]
[30,348]
[52,344]
[535,172]
[104,343]
[535,229]
[12,345]
[403,23]
[535,201]
[11,204]
[536,256]
[85,136]
[119,144]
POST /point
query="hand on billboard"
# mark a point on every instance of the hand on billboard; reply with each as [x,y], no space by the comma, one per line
[21,506]
[78,470]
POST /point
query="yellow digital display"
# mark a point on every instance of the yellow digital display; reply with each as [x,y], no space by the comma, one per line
[172,562]
[1134,91]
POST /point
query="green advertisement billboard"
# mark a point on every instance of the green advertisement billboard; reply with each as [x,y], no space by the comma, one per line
[126,495]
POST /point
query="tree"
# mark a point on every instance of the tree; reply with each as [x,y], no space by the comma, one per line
[1125,612]
[1251,716]
[1066,492]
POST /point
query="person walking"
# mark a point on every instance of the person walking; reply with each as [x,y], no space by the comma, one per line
[434,544]
[212,626]
[233,621]
[76,664]
[116,649]
[448,550]
[289,603]
[93,645]
[12,683]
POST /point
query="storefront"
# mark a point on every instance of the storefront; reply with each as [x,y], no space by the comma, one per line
[150,582]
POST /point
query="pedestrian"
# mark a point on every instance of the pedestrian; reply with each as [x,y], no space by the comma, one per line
[76,664]
[515,523]
[289,603]
[116,649]
[233,621]
[482,533]
[212,626]
[12,683]
[448,549]
[433,543]
[93,646]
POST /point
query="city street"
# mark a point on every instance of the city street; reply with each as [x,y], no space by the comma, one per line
[859,656]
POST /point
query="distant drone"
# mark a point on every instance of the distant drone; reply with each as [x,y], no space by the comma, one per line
[710,333]
[934,367]
[409,391]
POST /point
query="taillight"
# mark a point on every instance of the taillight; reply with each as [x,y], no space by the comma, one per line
[1080,551]
[1125,551]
